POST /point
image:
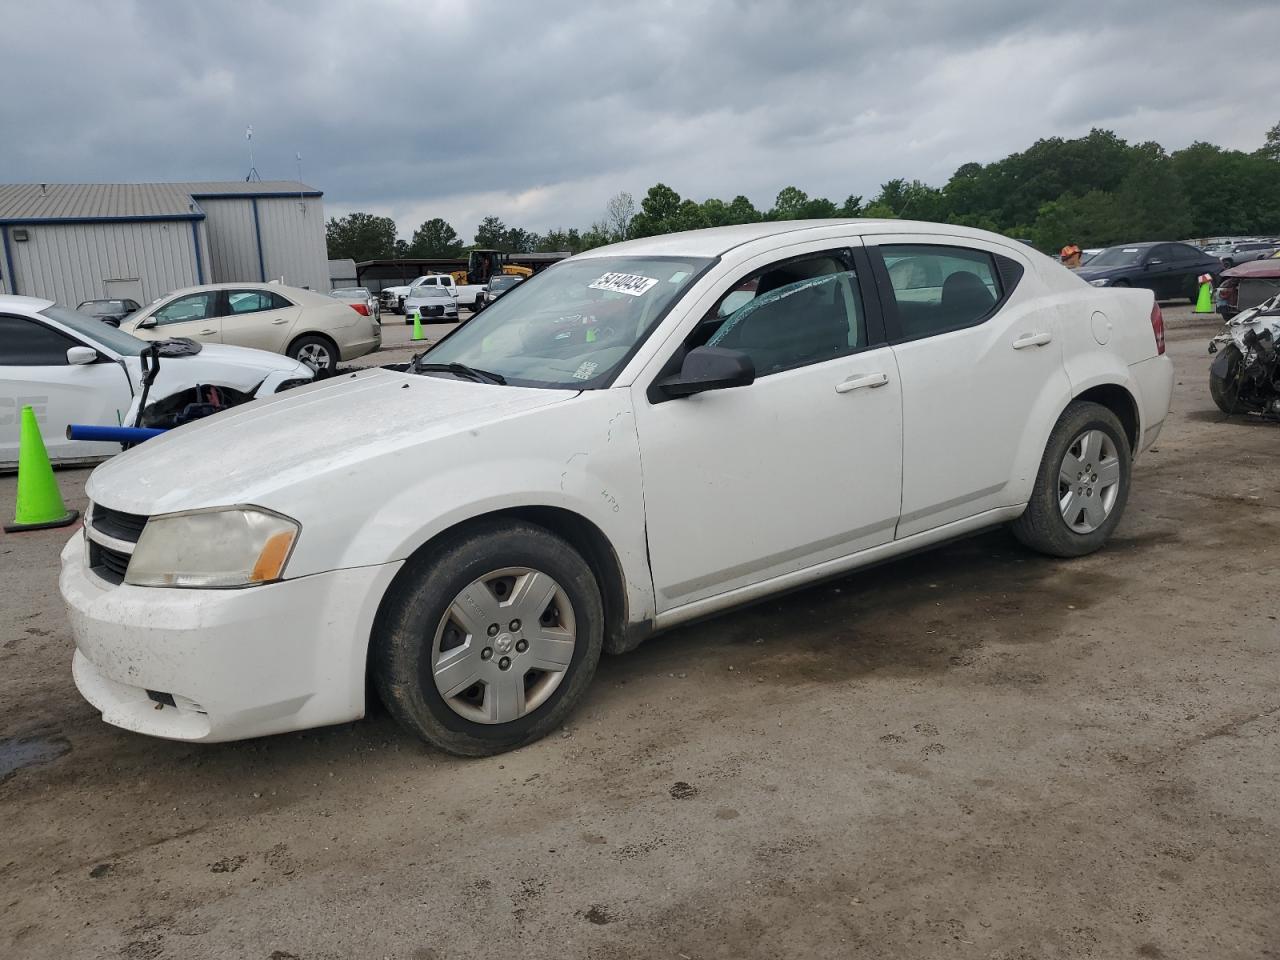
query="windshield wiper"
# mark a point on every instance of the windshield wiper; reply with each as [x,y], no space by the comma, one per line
[461,370]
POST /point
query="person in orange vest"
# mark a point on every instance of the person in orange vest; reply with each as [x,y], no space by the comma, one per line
[1071,256]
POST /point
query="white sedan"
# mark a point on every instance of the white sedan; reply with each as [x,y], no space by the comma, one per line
[641,435]
[301,324]
[70,367]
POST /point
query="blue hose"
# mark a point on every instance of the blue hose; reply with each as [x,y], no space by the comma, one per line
[81,431]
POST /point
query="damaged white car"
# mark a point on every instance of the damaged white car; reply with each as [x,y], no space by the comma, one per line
[638,436]
[71,368]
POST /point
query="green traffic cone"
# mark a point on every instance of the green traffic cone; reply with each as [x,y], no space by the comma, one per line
[1204,303]
[39,504]
[417,325]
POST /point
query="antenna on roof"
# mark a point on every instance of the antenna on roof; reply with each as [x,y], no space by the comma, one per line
[253,171]
[302,204]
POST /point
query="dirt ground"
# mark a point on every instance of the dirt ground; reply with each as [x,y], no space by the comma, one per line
[973,753]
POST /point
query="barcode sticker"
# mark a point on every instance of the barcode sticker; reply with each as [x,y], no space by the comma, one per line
[627,283]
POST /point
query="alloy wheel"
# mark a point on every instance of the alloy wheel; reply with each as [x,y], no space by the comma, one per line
[1088,481]
[504,645]
[314,355]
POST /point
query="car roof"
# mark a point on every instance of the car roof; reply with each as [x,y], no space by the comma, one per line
[294,292]
[12,301]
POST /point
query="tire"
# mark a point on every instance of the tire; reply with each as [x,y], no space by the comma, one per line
[317,352]
[1122,283]
[1060,527]
[423,620]
[1226,390]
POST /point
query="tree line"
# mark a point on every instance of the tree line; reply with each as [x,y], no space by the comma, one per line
[1096,190]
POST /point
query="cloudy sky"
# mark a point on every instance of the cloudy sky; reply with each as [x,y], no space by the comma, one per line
[538,112]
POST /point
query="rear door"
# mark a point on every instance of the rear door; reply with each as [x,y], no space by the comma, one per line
[34,372]
[257,318]
[978,360]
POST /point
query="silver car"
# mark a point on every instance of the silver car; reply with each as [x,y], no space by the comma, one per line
[359,297]
[430,303]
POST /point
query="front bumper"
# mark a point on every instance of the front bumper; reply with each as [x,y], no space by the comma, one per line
[237,663]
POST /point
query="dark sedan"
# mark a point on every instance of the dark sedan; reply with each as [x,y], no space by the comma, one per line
[109,311]
[1170,270]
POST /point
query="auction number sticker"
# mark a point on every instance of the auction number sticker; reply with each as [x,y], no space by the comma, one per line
[627,283]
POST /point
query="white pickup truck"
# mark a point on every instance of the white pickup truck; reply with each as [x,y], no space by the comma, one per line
[467,294]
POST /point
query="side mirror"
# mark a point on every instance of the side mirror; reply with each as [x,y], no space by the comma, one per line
[146,323]
[709,368]
[79,356]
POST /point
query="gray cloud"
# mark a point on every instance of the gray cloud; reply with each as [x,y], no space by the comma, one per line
[539,112]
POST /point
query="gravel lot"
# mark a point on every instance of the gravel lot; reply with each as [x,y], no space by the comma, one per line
[975,752]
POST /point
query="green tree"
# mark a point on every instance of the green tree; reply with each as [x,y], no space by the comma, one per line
[1271,146]
[742,210]
[659,211]
[360,236]
[435,238]
[715,213]
[788,205]
[491,234]
[852,207]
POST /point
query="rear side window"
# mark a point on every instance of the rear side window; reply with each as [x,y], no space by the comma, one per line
[25,343]
[249,301]
[937,288]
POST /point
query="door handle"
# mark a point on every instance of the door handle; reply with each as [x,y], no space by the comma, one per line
[1032,340]
[207,333]
[279,321]
[862,380]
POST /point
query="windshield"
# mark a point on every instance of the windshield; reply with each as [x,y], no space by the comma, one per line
[350,292]
[95,331]
[503,283]
[1118,257]
[430,293]
[573,325]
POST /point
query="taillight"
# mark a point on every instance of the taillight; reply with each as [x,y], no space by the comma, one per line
[361,308]
[1157,327]
[1229,293]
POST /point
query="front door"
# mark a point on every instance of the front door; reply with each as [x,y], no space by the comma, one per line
[257,318]
[747,484]
[193,315]
[979,366]
[34,372]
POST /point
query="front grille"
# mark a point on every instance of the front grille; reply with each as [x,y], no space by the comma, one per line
[434,311]
[109,564]
[117,524]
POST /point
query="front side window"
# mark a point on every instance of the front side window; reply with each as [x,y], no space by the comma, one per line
[791,315]
[940,288]
[249,301]
[25,343]
[194,306]
[573,325]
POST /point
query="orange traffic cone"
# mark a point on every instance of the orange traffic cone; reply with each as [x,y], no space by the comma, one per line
[39,504]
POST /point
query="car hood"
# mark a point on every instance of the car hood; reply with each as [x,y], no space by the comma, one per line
[240,368]
[1258,269]
[248,453]
[1088,272]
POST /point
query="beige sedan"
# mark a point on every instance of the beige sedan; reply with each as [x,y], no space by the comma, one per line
[302,324]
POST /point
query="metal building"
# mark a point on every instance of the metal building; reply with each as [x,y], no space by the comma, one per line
[76,242]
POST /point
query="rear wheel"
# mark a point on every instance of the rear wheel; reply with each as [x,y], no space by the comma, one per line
[490,641]
[319,353]
[1082,484]
[1121,283]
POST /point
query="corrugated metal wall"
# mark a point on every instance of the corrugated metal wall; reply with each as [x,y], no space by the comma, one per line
[293,241]
[69,263]
[233,243]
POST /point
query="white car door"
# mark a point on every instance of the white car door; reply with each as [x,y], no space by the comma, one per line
[746,484]
[980,358]
[35,372]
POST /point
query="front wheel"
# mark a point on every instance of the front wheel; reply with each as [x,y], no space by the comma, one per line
[489,640]
[319,353]
[1224,382]
[1082,484]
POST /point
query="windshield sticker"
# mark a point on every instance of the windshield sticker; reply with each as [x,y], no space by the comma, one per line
[627,283]
[1130,249]
[588,368]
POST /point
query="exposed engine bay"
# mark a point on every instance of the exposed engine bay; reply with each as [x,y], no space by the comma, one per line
[1245,374]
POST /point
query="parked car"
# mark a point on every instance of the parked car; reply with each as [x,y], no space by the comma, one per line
[497,286]
[430,302]
[613,452]
[109,311]
[466,294]
[1250,250]
[1248,285]
[362,301]
[1169,270]
[301,324]
[1088,253]
[71,368]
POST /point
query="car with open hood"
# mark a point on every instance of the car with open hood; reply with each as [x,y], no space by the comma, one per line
[638,436]
[69,367]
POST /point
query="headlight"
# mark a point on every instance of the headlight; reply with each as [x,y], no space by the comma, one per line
[226,547]
[1101,282]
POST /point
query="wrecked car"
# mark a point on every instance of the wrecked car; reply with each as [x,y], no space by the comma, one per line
[1245,374]
[639,436]
[1247,286]
[69,367]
